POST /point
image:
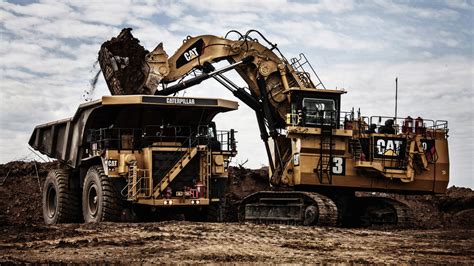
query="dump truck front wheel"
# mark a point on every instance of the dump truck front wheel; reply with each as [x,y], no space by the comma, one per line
[61,202]
[100,200]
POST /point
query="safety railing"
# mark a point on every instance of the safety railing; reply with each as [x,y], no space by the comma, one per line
[441,124]
[223,141]
[169,133]
[227,141]
[428,128]
[136,138]
[298,64]
[143,183]
[116,138]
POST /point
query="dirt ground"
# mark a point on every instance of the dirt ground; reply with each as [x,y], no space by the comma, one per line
[186,242]
[443,232]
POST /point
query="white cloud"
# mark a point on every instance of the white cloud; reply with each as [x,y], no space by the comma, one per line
[151,34]
[169,8]
[45,9]
[105,12]
[70,28]
[314,34]
[16,74]
[461,4]
[21,23]
[262,7]
[425,13]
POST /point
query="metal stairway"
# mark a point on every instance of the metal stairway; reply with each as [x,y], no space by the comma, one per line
[174,171]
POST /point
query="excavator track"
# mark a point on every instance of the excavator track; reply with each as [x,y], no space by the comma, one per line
[404,213]
[381,210]
[289,207]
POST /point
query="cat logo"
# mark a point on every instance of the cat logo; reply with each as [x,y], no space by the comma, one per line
[389,147]
[191,54]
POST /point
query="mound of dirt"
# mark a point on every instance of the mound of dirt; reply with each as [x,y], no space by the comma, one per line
[20,191]
[241,183]
[454,209]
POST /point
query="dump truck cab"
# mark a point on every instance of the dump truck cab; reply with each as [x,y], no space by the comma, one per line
[158,151]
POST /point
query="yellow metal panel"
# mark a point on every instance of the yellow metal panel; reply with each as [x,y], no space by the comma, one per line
[126,99]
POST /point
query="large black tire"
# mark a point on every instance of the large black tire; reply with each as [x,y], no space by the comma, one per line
[61,203]
[101,201]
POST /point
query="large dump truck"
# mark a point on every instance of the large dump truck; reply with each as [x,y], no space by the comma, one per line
[133,152]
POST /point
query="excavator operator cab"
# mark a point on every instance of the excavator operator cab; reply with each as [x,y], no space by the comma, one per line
[314,108]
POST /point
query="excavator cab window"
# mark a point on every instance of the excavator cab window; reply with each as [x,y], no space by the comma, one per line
[318,112]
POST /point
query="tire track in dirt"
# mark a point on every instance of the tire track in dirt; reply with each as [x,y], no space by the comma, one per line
[187,242]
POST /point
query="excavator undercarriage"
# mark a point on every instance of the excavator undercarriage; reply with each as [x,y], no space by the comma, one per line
[292,207]
[311,208]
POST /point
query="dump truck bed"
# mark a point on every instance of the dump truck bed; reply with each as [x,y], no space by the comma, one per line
[63,139]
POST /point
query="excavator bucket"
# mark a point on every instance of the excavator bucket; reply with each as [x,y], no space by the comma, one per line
[122,60]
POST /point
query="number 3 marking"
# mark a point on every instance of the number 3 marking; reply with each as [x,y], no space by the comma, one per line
[338,165]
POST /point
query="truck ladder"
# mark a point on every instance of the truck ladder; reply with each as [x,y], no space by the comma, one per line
[174,171]
[356,148]
[208,166]
[137,185]
[132,182]
[325,156]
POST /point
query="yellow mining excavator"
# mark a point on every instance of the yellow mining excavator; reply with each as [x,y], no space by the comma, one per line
[320,157]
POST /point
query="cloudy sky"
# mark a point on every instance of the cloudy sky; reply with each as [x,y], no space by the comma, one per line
[48,49]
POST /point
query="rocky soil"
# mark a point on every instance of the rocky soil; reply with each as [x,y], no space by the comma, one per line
[187,242]
[443,232]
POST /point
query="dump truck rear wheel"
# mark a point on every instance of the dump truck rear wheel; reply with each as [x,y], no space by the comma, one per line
[100,200]
[61,203]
